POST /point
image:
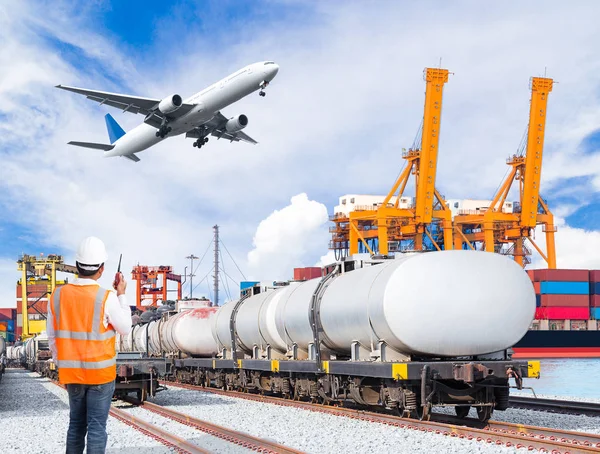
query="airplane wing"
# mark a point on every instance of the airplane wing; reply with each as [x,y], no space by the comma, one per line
[128,103]
[216,128]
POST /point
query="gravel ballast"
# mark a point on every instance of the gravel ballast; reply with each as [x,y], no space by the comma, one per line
[35,418]
[311,431]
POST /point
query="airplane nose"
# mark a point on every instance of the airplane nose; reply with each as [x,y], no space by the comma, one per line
[273,71]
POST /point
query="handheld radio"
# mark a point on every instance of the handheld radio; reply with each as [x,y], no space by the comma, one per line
[118,274]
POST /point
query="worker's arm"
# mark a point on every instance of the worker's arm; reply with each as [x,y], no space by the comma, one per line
[117,311]
[50,328]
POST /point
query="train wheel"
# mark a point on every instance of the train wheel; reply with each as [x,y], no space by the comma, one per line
[423,413]
[484,413]
[462,412]
[142,394]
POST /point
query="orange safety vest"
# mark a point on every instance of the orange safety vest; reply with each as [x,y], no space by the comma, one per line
[86,348]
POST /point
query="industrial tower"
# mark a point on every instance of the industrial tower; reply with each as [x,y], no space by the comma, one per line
[508,232]
[425,224]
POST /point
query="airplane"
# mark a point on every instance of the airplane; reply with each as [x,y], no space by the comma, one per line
[198,116]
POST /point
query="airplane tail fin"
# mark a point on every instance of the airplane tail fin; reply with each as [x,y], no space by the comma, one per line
[115,132]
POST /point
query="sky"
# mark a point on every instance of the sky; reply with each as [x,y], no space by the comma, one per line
[347,99]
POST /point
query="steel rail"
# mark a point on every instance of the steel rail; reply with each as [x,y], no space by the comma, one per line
[166,438]
[233,436]
[494,432]
[556,406]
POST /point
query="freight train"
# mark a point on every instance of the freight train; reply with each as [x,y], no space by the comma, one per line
[407,334]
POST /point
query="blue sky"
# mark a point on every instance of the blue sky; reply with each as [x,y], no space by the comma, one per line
[348,98]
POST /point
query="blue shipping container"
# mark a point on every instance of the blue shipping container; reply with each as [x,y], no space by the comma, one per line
[538,300]
[595,288]
[247,284]
[10,326]
[564,288]
[595,313]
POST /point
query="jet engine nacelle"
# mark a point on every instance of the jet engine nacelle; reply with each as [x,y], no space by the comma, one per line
[236,124]
[170,104]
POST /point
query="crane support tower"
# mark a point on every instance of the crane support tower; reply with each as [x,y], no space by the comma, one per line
[388,224]
[496,230]
[152,284]
[38,273]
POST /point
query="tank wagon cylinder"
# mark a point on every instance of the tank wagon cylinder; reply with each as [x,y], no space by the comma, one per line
[2,346]
[440,304]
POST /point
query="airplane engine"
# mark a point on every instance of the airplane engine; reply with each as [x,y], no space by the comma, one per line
[170,104]
[236,124]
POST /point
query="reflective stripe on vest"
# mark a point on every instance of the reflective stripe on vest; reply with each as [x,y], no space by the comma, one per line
[87,364]
[82,335]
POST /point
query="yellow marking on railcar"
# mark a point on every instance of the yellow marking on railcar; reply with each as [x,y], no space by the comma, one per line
[274,365]
[239,363]
[400,371]
[533,369]
[214,364]
[326,366]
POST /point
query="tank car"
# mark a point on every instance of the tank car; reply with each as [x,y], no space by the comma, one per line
[410,333]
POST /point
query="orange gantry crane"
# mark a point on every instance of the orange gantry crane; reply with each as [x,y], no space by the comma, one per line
[428,217]
[499,230]
[152,284]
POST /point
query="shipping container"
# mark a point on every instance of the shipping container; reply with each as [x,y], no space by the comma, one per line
[595,288]
[595,300]
[10,326]
[562,313]
[6,313]
[538,300]
[536,287]
[565,300]
[565,288]
[561,275]
[3,326]
[595,313]
[594,275]
[531,273]
[247,284]
[313,272]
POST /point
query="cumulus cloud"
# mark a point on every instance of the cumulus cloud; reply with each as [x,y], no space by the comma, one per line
[288,238]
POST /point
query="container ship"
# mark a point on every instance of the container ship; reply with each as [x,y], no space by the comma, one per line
[567,318]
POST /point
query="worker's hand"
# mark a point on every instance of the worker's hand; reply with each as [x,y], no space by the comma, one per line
[121,286]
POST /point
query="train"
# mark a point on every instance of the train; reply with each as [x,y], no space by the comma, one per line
[408,334]
[3,359]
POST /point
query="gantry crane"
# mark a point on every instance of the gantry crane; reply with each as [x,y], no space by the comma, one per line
[34,271]
[505,232]
[152,284]
[428,217]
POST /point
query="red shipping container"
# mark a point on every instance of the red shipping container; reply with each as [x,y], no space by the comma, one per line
[561,275]
[530,273]
[562,313]
[298,272]
[6,314]
[594,275]
[565,300]
[595,300]
[313,272]
[536,287]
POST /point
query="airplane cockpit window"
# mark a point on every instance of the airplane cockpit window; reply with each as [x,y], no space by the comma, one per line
[269,63]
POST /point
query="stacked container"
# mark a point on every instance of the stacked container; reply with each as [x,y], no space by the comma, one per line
[595,294]
[308,273]
[561,294]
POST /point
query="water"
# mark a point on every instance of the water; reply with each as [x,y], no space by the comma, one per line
[578,377]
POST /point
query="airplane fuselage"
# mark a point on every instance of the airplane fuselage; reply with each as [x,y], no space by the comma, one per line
[207,103]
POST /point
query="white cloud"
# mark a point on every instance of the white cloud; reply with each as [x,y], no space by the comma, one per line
[287,238]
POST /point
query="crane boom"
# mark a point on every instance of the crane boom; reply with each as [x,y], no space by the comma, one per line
[540,87]
[435,79]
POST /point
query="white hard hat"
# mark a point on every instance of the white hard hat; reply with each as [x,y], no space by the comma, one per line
[91,251]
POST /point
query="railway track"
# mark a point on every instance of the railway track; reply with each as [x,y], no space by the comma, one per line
[556,406]
[233,436]
[492,432]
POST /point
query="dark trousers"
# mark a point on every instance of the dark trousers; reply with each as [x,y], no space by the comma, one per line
[89,406]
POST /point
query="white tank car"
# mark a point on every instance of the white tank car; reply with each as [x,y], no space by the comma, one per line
[438,304]
[2,346]
[188,331]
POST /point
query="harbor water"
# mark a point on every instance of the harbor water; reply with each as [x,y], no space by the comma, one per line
[577,377]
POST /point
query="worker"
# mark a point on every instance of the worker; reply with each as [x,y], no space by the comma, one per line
[82,320]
